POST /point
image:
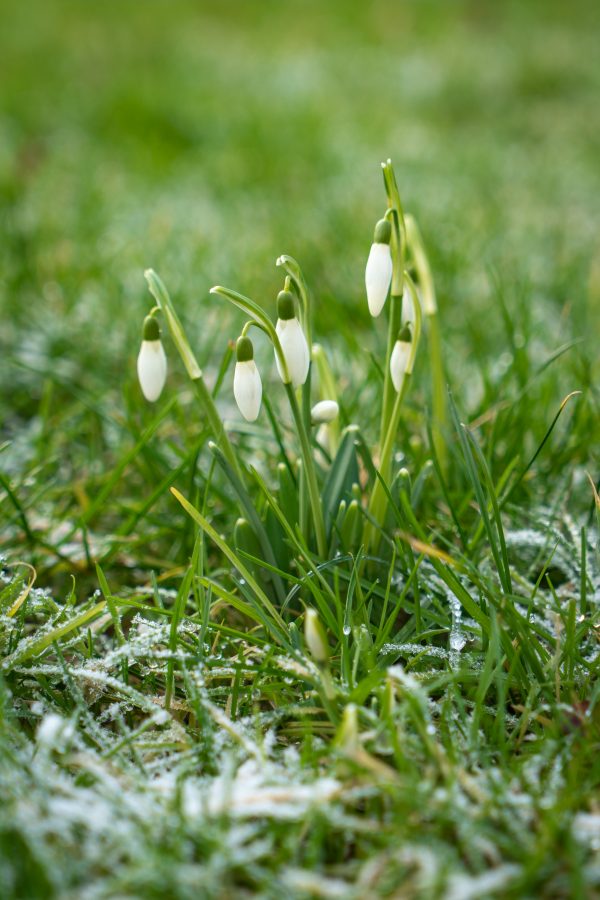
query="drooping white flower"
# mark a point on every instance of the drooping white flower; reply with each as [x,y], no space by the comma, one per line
[315,637]
[292,340]
[400,357]
[151,361]
[324,411]
[378,274]
[247,386]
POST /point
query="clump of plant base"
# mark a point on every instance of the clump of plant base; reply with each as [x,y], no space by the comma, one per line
[375,681]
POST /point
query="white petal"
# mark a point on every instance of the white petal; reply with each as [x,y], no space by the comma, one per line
[295,350]
[152,369]
[324,411]
[399,361]
[247,389]
[378,277]
[408,309]
[323,437]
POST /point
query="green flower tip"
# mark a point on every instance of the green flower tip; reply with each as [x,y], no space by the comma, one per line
[151,329]
[244,349]
[383,232]
[404,334]
[285,305]
[240,531]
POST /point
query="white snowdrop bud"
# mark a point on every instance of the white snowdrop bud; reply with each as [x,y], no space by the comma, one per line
[315,637]
[400,358]
[151,361]
[348,735]
[292,340]
[378,274]
[323,412]
[247,386]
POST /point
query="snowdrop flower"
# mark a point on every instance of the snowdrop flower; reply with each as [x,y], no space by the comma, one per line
[151,361]
[400,357]
[378,274]
[323,412]
[315,637]
[292,340]
[247,386]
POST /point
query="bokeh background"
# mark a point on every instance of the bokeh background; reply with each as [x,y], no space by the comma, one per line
[206,139]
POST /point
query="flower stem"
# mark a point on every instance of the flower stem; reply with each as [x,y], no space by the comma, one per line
[378,502]
[309,473]
[261,319]
[398,244]
[294,278]
[438,379]
[389,393]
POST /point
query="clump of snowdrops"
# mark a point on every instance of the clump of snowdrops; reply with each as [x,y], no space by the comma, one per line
[333,491]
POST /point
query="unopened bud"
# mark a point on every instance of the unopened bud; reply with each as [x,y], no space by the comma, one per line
[315,637]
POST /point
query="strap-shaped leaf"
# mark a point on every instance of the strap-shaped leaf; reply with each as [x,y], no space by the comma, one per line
[342,475]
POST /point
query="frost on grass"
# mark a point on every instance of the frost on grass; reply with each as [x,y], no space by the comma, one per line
[245,782]
[259,790]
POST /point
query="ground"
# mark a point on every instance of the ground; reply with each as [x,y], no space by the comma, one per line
[159,736]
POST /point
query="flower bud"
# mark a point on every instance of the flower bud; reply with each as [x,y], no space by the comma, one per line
[315,637]
[400,358]
[378,274]
[292,340]
[151,361]
[247,386]
[323,412]
[348,736]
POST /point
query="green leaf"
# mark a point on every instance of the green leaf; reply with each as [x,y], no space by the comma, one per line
[342,475]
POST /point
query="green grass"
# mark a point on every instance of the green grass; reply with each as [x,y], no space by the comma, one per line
[163,731]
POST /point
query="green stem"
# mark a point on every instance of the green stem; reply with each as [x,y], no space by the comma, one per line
[438,379]
[438,389]
[394,203]
[261,318]
[309,473]
[294,272]
[216,424]
[398,245]
[389,393]
[378,502]
[295,277]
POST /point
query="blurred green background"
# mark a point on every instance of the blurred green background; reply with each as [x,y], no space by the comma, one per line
[205,139]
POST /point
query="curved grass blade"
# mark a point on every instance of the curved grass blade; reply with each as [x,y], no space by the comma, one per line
[540,447]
